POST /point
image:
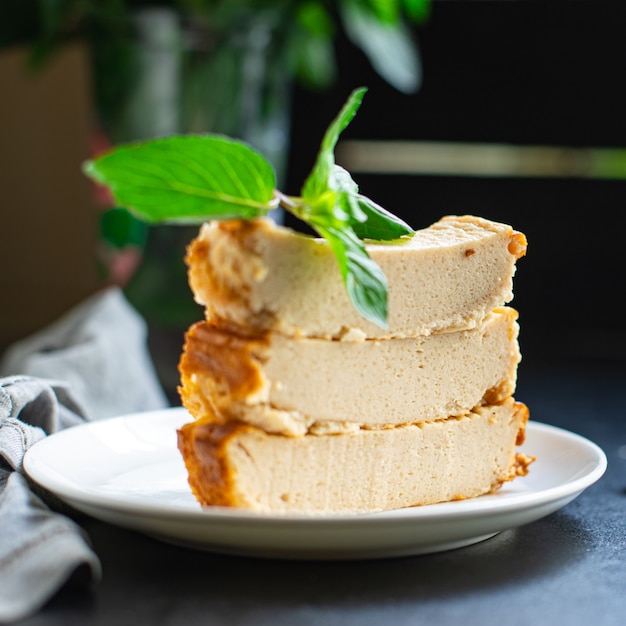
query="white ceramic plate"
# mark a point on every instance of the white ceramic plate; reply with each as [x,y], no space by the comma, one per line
[128,471]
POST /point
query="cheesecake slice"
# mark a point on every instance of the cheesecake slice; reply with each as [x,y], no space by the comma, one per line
[300,405]
[236,464]
[259,277]
[299,385]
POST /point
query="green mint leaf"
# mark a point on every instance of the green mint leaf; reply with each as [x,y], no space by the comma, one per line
[369,220]
[187,179]
[365,282]
[193,178]
[380,224]
[331,205]
[347,191]
[318,180]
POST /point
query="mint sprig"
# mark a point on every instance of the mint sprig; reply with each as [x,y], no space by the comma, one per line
[194,178]
[187,179]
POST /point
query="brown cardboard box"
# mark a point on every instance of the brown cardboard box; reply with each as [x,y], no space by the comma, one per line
[48,217]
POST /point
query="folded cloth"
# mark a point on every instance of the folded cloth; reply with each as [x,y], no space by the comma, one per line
[39,549]
[100,349]
[92,363]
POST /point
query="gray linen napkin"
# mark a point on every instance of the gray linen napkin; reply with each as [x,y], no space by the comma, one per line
[99,348]
[91,364]
[39,549]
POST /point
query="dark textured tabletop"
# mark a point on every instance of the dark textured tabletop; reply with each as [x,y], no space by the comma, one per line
[567,568]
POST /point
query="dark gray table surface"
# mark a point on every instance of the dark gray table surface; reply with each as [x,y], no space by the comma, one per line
[568,568]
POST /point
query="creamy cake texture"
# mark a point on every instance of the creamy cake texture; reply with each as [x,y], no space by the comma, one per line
[257,277]
[300,404]
[234,464]
[298,385]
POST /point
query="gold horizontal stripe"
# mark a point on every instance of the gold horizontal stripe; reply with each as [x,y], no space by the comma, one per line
[480,159]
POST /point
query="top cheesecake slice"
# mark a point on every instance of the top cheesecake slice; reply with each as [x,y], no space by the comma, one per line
[258,276]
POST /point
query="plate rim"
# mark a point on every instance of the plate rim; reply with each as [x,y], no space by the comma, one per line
[473,507]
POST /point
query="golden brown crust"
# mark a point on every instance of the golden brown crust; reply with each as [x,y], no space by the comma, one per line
[210,475]
[229,363]
[203,256]
[522,462]
[518,245]
[524,414]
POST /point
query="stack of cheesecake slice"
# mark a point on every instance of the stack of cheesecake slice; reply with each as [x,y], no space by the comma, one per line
[299,404]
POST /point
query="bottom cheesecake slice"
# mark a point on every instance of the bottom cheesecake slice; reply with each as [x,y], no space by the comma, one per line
[236,464]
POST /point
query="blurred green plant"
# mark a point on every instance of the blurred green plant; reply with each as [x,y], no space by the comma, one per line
[308,31]
[228,66]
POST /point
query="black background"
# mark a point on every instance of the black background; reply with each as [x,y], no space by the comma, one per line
[526,73]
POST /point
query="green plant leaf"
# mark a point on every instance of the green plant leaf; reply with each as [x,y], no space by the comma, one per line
[380,224]
[314,60]
[319,178]
[368,219]
[195,178]
[385,11]
[417,10]
[389,47]
[314,18]
[347,192]
[365,282]
[187,179]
